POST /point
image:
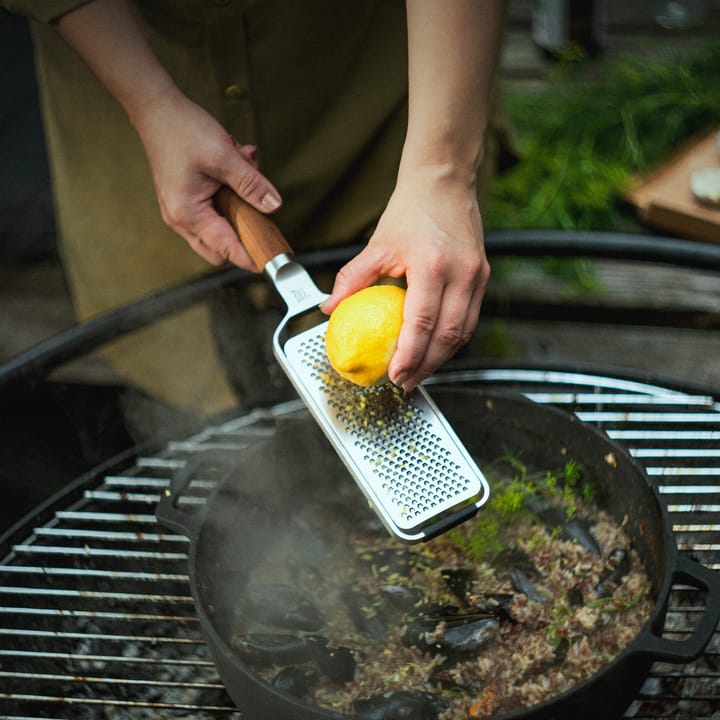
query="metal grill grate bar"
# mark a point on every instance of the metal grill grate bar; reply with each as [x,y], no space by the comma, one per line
[105,637]
[689,489]
[136,481]
[84,516]
[75,701]
[665,435]
[607,399]
[97,552]
[95,614]
[675,452]
[649,418]
[122,659]
[110,680]
[95,594]
[109,535]
[83,572]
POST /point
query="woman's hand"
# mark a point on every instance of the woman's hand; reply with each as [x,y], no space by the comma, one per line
[430,233]
[191,156]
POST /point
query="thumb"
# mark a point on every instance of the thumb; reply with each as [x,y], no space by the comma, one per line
[243,176]
[363,270]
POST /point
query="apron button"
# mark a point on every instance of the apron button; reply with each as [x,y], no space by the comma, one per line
[233,92]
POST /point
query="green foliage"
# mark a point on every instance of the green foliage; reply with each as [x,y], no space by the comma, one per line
[506,510]
[583,138]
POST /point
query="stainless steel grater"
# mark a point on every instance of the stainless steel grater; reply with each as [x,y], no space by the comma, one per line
[399,448]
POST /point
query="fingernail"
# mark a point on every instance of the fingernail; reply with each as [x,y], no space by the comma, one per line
[400,379]
[270,202]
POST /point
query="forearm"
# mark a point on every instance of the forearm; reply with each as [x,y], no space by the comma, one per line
[109,37]
[452,53]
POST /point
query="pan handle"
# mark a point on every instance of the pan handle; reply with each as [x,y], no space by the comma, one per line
[168,512]
[692,573]
[260,236]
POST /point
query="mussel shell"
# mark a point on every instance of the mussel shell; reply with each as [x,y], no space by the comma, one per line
[399,705]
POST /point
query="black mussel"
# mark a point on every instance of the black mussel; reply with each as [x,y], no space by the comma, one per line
[451,634]
[579,530]
[575,597]
[295,680]
[561,650]
[497,604]
[401,597]
[401,705]
[550,515]
[273,648]
[364,614]
[616,568]
[283,607]
[460,581]
[337,663]
[521,577]
[470,637]
[389,562]
[556,519]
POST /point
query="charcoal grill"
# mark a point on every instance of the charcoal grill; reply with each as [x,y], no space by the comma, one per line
[96,614]
[96,617]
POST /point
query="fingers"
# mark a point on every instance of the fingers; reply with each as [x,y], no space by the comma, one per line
[438,320]
[442,304]
[189,209]
[216,241]
[243,176]
[207,233]
[362,271]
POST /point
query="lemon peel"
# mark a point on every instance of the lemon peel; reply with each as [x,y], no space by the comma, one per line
[362,333]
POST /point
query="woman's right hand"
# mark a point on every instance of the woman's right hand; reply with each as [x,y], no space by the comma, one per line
[191,156]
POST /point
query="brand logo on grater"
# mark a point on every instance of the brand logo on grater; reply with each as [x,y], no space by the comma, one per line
[300,294]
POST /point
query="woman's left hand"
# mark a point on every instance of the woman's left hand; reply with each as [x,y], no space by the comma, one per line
[431,233]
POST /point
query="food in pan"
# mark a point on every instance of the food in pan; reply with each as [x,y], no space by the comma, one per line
[536,593]
[363,331]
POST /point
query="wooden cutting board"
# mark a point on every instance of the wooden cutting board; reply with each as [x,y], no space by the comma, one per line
[664,199]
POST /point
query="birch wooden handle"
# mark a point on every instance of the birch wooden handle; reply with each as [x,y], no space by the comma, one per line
[260,236]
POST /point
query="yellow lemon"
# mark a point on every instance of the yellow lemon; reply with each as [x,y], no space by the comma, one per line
[363,331]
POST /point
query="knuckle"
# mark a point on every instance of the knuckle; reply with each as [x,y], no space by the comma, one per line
[172,215]
[475,273]
[436,261]
[249,183]
[344,274]
[423,323]
[451,337]
[223,252]
[214,259]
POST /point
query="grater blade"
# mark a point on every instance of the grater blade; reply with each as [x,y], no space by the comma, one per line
[399,448]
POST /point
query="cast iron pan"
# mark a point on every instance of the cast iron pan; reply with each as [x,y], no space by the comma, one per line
[279,483]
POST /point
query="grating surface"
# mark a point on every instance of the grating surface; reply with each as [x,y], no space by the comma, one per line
[96,618]
[387,439]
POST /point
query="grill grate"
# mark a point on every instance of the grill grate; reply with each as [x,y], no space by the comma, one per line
[96,618]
